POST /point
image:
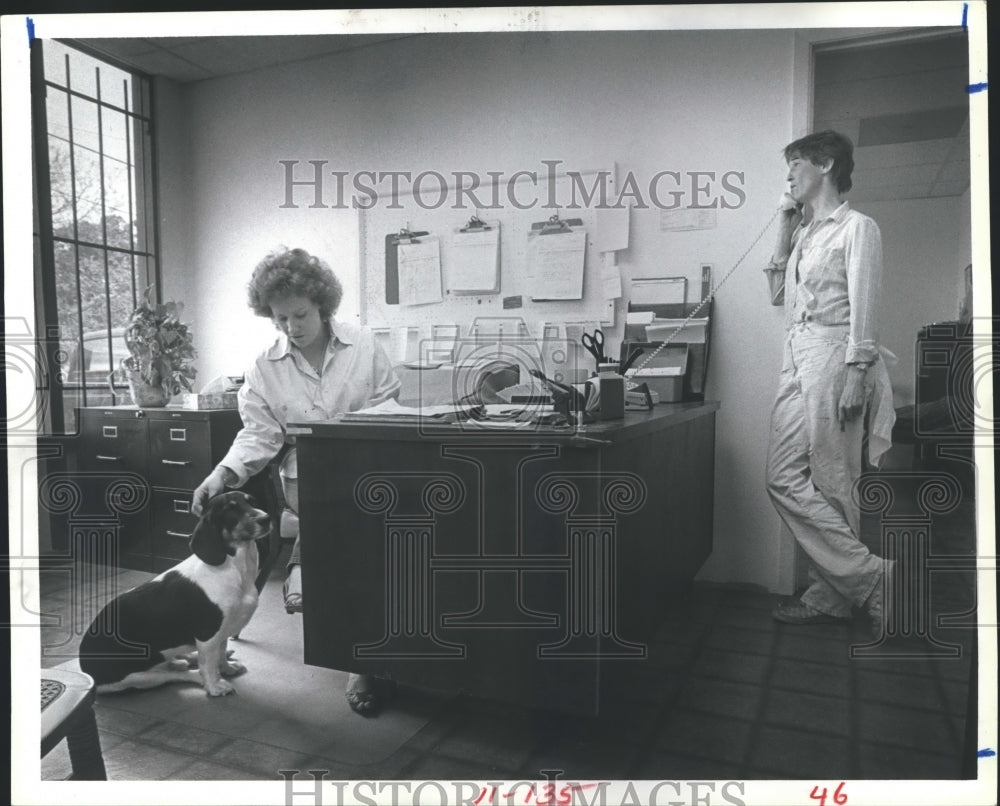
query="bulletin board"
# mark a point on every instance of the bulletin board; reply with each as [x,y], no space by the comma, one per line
[514,295]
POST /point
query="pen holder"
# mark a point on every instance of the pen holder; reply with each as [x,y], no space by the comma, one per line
[612,392]
[572,407]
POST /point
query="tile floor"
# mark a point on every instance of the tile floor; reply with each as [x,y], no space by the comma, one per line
[726,692]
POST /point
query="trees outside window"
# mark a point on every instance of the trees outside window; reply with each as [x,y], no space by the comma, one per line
[95,236]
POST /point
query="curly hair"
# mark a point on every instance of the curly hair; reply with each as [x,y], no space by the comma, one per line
[821,146]
[294,273]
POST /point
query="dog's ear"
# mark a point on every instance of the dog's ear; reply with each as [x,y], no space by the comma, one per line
[207,542]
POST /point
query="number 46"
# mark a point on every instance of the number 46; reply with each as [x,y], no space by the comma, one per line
[839,797]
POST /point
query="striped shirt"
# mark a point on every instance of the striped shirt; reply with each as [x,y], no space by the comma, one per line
[834,278]
[281,388]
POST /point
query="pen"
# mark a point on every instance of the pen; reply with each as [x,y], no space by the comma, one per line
[630,360]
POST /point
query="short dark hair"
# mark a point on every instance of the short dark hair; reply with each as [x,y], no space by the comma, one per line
[294,273]
[822,146]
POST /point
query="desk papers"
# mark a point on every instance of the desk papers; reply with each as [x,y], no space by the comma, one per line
[391,410]
[688,331]
[658,290]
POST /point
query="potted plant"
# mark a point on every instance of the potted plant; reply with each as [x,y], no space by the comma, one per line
[161,350]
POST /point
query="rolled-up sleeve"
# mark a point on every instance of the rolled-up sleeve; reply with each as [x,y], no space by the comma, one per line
[864,288]
[262,435]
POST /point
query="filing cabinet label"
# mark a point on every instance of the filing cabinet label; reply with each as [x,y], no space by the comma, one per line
[110,431]
[182,505]
[178,435]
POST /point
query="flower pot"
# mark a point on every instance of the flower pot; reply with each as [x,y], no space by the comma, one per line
[144,395]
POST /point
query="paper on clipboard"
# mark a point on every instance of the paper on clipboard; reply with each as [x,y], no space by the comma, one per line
[420,271]
[475,260]
[555,264]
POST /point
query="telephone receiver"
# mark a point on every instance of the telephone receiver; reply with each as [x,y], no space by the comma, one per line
[786,203]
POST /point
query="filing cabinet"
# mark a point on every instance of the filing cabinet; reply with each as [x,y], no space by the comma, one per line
[138,469]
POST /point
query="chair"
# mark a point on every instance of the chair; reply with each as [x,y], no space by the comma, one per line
[266,486]
[68,713]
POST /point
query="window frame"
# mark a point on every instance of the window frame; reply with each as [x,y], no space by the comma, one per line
[55,388]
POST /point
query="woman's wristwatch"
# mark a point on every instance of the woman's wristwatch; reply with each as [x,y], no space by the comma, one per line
[229,477]
[862,365]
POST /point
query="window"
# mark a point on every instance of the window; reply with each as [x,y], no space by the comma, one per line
[96,227]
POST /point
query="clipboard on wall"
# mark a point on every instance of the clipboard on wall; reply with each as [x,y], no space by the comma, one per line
[392,242]
[375,222]
[475,266]
[556,259]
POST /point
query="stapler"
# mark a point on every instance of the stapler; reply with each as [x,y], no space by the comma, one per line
[566,400]
[641,397]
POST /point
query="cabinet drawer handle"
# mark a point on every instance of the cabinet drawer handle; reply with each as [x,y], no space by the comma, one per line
[175,462]
[178,534]
[104,458]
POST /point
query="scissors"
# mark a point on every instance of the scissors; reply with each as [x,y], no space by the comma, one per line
[595,345]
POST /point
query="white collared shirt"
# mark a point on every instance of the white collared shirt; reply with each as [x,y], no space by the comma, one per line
[834,278]
[281,388]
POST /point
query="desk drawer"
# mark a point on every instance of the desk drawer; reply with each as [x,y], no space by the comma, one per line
[173,524]
[113,443]
[180,453]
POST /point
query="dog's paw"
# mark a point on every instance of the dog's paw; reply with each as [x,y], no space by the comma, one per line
[232,668]
[218,688]
[189,661]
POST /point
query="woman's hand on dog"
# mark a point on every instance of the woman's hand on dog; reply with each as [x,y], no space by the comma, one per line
[214,484]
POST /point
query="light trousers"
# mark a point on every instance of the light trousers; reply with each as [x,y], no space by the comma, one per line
[813,466]
[290,489]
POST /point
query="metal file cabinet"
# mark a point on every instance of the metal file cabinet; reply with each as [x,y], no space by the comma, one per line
[137,469]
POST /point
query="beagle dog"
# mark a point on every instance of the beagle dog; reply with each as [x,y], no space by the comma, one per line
[149,635]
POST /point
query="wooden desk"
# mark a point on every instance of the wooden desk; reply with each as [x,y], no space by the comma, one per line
[531,567]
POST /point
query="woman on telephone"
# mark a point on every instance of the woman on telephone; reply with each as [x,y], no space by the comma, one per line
[831,375]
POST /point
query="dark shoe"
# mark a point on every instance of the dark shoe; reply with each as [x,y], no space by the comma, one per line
[293,599]
[367,695]
[796,612]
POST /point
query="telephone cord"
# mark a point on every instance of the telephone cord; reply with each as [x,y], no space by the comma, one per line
[702,304]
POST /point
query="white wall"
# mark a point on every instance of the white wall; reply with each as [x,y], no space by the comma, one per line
[650,101]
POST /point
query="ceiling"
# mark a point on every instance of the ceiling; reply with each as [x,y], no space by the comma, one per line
[905,104]
[196,58]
